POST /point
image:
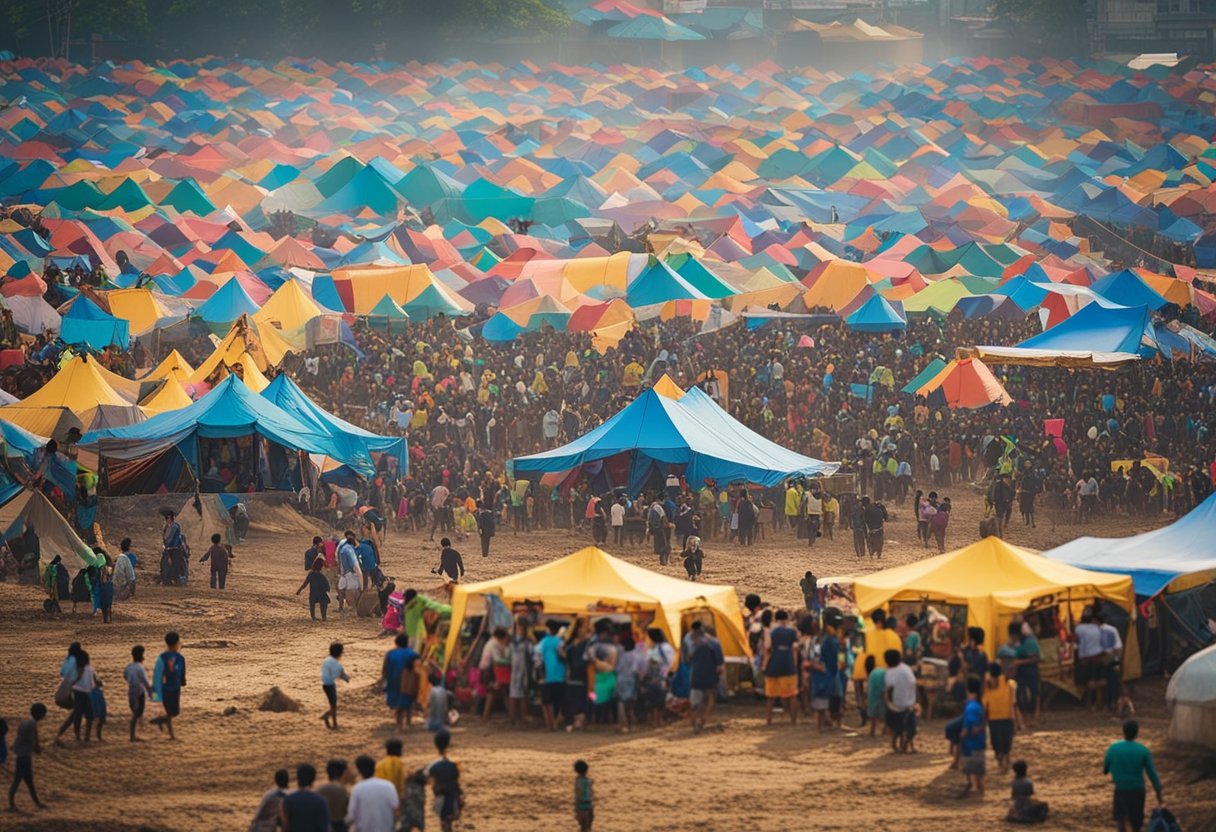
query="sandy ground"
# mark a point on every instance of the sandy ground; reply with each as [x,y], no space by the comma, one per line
[741,776]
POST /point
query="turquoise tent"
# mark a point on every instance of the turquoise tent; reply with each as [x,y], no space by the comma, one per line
[388,314]
[229,302]
[699,277]
[932,369]
[659,283]
[877,315]
[430,303]
[89,324]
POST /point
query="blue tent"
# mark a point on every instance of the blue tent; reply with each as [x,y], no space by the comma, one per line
[387,314]
[659,283]
[87,323]
[877,315]
[1098,328]
[500,329]
[229,411]
[229,302]
[932,369]
[1153,559]
[666,428]
[1126,288]
[430,303]
[286,394]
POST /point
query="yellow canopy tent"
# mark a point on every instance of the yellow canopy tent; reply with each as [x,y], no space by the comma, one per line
[289,308]
[997,582]
[139,307]
[174,366]
[592,582]
[81,387]
[169,396]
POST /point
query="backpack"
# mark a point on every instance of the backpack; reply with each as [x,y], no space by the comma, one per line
[1163,820]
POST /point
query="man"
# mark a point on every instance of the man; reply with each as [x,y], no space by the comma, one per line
[439,502]
[810,591]
[1112,663]
[335,795]
[485,527]
[1087,490]
[444,776]
[451,565]
[304,810]
[874,515]
[900,688]
[707,666]
[396,661]
[858,521]
[373,802]
[552,652]
[1089,659]
[1002,500]
[414,607]
[168,679]
[25,746]
[617,516]
[369,563]
[348,568]
[793,505]
[813,508]
[1127,762]
[878,640]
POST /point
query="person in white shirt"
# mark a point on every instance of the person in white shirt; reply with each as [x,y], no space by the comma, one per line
[82,704]
[617,518]
[374,803]
[935,467]
[900,686]
[1112,664]
[812,508]
[1089,658]
[549,424]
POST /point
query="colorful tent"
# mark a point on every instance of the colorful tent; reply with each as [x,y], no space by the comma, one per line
[591,579]
[965,382]
[88,324]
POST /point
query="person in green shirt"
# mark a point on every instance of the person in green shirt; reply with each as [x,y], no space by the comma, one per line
[415,605]
[1127,762]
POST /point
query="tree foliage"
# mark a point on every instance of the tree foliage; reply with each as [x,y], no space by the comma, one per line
[332,29]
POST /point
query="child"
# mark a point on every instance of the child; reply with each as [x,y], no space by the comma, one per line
[219,555]
[584,799]
[331,672]
[97,701]
[438,703]
[413,808]
[25,746]
[876,694]
[138,687]
[105,593]
[1025,808]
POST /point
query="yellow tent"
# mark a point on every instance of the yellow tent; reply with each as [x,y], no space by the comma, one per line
[139,307]
[997,582]
[169,396]
[266,346]
[174,366]
[82,388]
[592,582]
[289,308]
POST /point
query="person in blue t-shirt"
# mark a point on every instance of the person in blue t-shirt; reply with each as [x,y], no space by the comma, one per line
[168,679]
[973,738]
[552,652]
[368,562]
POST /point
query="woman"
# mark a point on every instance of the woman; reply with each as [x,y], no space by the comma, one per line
[58,584]
[938,521]
[824,665]
[105,591]
[495,669]
[603,657]
[522,653]
[318,589]
[659,659]
[84,680]
[781,667]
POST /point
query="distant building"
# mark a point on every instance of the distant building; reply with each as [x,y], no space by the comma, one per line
[1132,27]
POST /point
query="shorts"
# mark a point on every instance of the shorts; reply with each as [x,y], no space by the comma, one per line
[551,694]
[172,700]
[1129,805]
[781,687]
[502,675]
[138,701]
[24,768]
[975,764]
[1000,731]
[700,697]
[331,694]
[819,703]
[1088,670]
[898,721]
[585,817]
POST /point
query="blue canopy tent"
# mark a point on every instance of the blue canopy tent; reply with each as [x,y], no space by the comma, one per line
[1126,288]
[667,428]
[1097,335]
[149,457]
[89,324]
[1173,565]
[878,315]
[228,303]
[285,393]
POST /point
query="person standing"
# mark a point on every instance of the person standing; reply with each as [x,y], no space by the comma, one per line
[874,516]
[617,518]
[176,553]
[858,519]
[318,589]
[522,655]
[584,798]
[812,504]
[707,668]
[219,555]
[399,676]
[552,652]
[485,527]
[316,550]
[139,688]
[373,802]
[1089,672]
[899,684]
[999,700]
[1128,762]
[810,591]
[333,791]
[124,571]
[451,565]
[304,810]
[972,739]
[25,746]
[780,667]
[348,568]
[266,818]
[168,679]
[939,520]
[331,671]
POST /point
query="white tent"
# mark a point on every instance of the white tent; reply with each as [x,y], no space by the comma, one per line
[55,535]
[1191,696]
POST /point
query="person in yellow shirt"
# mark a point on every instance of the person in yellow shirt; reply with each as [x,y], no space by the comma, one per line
[879,640]
[392,767]
[1000,693]
[793,499]
[633,375]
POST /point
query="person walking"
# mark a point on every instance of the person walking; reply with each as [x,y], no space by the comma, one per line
[444,776]
[318,589]
[219,555]
[781,667]
[451,565]
[168,679]
[1128,762]
[266,817]
[175,556]
[304,810]
[812,504]
[374,802]
[348,569]
[82,702]
[485,527]
[331,671]
[25,746]
[139,687]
